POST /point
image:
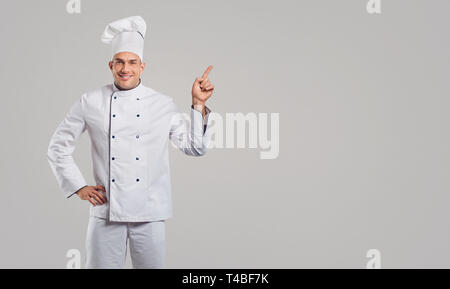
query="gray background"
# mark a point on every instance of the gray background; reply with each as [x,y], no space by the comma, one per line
[364,129]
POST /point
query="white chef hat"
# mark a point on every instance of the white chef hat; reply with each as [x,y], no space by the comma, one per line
[126,34]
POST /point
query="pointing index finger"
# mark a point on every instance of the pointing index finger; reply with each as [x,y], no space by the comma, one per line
[205,74]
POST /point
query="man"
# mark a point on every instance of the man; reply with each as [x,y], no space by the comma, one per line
[129,126]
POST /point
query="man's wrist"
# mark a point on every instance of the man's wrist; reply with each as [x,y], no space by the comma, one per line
[79,190]
[199,107]
[196,101]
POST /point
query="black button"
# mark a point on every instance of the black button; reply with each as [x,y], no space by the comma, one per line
[137,98]
[113,136]
[137,136]
[115,97]
[137,158]
[114,115]
[137,180]
[113,158]
[112,180]
[137,115]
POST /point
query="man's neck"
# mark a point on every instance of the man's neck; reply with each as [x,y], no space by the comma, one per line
[120,88]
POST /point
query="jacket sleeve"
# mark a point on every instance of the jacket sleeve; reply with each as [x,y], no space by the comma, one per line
[61,147]
[193,140]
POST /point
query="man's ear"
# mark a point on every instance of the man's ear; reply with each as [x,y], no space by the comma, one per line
[110,64]
[142,66]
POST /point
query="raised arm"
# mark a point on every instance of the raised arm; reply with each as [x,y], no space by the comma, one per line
[194,141]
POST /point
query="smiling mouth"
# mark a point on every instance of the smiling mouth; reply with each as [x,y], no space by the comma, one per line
[124,76]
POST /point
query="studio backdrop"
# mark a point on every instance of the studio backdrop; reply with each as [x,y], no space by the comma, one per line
[330,143]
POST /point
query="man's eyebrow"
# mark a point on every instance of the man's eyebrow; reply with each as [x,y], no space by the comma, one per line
[122,60]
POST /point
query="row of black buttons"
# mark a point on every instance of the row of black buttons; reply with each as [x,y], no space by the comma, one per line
[115,97]
[113,158]
[137,136]
[113,180]
[137,115]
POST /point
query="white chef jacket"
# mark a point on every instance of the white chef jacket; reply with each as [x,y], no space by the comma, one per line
[129,132]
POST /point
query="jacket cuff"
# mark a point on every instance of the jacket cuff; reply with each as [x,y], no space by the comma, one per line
[71,194]
[196,114]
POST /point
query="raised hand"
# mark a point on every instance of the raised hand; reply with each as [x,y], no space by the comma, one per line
[202,88]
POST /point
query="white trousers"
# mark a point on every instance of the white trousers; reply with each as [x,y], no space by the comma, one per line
[106,244]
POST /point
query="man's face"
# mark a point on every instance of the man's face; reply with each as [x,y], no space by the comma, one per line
[126,68]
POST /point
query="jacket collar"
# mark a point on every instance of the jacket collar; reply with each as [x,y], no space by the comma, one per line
[137,91]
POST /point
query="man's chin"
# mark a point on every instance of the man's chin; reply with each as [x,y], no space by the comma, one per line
[127,84]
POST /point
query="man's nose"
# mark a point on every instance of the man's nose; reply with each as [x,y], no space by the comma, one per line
[125,68]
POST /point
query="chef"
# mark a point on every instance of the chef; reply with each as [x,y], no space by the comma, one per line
[130,126]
